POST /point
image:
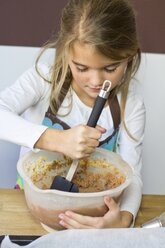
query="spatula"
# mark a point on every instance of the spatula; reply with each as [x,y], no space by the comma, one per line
[66,184]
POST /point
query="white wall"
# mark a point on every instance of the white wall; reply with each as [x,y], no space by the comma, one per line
[15,60]
[152,77]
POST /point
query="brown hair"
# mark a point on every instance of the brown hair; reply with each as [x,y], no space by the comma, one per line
[108,25]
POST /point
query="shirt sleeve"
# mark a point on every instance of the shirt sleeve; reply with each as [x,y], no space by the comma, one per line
[131,151]
[27,91]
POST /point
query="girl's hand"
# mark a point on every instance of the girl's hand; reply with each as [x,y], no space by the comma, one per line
[112,219]
[78,142]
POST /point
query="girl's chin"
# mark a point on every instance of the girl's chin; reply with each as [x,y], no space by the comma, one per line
[92,94]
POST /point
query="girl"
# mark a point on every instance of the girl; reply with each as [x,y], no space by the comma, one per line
[97,42]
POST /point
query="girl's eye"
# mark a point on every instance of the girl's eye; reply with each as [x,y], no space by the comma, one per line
[81,69]
[107,69]
[110,70]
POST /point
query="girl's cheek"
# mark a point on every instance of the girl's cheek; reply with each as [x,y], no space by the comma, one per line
[80,77]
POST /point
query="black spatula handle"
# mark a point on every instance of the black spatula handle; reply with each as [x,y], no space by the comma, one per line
[96,111]
[99,104]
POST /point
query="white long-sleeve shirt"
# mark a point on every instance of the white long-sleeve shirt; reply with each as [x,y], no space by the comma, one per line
[23,107]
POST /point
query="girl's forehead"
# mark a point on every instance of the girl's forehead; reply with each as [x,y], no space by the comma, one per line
[85,53]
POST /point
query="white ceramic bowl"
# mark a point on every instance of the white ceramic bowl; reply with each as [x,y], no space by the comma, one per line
[47,204]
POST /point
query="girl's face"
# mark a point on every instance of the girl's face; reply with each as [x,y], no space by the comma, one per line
[90,69]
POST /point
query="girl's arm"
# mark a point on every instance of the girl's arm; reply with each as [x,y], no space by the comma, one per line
[28,96]
[131,151]
[77,142]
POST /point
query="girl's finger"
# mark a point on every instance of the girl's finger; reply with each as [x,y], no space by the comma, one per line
[101,129]
[70,223]
[110,203]
[86,221]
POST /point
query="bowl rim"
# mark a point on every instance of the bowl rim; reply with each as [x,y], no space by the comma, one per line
[113,191]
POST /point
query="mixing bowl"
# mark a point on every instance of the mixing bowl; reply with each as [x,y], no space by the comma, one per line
[47,204]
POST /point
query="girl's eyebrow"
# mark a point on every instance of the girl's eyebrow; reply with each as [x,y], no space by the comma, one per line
[108,65]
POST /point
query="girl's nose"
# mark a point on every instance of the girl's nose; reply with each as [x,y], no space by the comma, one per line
[96,78]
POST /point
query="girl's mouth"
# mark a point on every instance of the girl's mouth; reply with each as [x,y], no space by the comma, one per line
[95,89]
